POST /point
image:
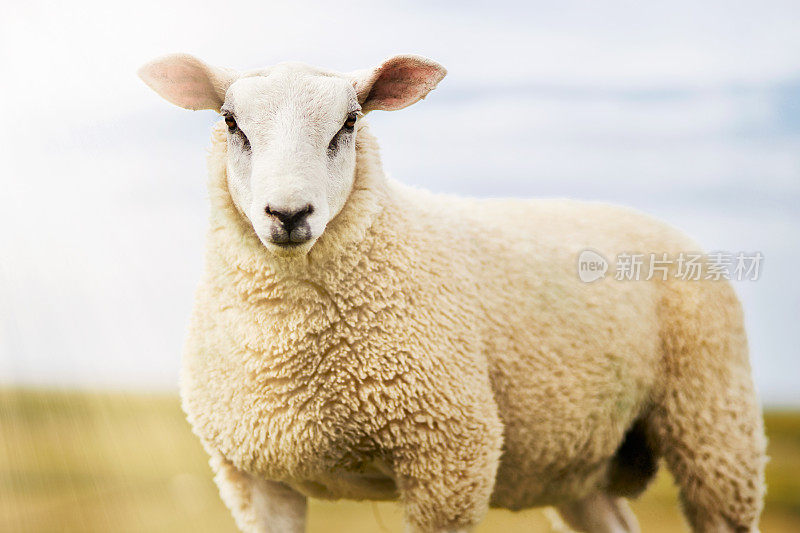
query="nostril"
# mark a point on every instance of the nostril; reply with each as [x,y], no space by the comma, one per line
[287,218]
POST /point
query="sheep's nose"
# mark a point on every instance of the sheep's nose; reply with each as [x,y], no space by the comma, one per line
[293,225]
[289,219]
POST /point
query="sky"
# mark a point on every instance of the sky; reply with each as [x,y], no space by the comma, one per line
[687,110]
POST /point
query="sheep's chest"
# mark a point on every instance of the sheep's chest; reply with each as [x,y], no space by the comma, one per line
[306,409]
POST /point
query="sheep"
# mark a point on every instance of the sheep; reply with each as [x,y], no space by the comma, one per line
[355,338]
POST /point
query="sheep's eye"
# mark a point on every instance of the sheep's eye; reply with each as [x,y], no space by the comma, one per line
[350,122]
[348,127]
[231,123]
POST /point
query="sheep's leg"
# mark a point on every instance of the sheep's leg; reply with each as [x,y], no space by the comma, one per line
[707,421]
[259,505]
[441,500]
[446,476]
[599,513]
[714,448]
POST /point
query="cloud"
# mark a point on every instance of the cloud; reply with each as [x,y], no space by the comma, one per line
[618,147]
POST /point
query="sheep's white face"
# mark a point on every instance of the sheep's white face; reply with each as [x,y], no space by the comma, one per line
[291,133]
[291,152]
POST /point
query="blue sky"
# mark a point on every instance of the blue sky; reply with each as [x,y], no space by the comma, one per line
[690,111]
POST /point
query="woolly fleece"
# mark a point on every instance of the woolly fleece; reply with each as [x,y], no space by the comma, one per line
[443,350]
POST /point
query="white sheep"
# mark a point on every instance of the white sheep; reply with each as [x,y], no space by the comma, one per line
[356,338]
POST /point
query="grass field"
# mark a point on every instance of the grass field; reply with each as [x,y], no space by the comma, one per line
[120,462]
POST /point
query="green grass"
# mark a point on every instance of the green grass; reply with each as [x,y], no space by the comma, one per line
[121,462]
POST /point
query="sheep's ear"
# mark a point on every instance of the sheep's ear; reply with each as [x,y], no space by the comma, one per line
[187,82]
[399,82]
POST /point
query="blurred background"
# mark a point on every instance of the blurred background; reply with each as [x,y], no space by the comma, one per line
[687,110]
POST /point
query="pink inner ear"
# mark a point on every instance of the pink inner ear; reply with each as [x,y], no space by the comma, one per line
[402,83]
[186,81]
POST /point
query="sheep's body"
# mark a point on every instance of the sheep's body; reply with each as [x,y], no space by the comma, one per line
[445,349]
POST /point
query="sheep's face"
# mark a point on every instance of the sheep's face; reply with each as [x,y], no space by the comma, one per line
[291,133]
[291,152]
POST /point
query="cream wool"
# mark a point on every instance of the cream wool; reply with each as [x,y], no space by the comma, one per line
[412,337]
[443,351]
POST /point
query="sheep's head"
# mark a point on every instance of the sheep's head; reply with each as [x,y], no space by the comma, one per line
[291,133]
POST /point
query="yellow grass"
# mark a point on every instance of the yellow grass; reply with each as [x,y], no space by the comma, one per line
[121,462]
